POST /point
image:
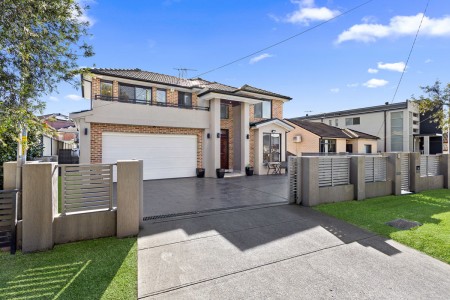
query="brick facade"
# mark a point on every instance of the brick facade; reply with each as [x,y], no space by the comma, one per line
[98,128]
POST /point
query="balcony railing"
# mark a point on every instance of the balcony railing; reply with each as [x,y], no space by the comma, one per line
[149,102]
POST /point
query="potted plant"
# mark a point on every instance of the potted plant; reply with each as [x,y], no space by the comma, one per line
[200,172]
[248,170]
[220,173]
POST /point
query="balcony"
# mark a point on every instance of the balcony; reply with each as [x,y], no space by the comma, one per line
[151,103]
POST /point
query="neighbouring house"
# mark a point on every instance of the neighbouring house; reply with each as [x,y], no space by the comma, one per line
[313,137]
[65,136]
[177,125]
[397,125]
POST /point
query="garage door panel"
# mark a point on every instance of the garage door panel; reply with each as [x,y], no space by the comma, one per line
[164,156]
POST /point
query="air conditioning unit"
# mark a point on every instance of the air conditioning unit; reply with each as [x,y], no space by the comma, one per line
[297,139]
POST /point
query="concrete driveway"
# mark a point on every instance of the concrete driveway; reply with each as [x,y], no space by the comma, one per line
[284,252]
[187,195]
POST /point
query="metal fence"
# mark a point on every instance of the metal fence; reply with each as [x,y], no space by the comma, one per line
[375,169]
[334,171]
[430,165]
[8,219]
[294,178]
[86,187]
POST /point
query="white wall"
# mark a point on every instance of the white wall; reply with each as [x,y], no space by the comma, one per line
[259,169]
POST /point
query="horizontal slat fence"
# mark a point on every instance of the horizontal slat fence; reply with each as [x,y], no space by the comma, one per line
[294,177]
[375,169]
[86,187]
[430,165]
[334,171]
[8,219]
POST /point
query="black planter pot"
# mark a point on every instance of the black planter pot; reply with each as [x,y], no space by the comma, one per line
[248,171]
[200,172]
[220,173]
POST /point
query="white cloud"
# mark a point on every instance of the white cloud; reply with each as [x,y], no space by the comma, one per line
[374,83]
[53,98]
[352,85]
[73,97]
[369,19]
[307,12]
[398,26]
[84,15]
[335,90]
[427,61]
[273,17]
[372,71]
[397,67]
[258,58]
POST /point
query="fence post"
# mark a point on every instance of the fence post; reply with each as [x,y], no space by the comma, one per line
[9,175]
[445,165]
[63,190]
[39,206]
[394,172]
[414,171]
[358,176]
[310,176]
[129,197]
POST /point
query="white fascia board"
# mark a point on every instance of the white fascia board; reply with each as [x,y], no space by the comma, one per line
[214,95]
[276,122]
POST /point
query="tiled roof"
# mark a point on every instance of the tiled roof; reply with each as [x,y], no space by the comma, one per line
[320,129]
[137,74]
[253,124]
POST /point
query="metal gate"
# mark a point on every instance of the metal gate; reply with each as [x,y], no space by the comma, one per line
[8,219]
[404,162]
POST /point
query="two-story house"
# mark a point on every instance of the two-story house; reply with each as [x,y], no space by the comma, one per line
[177,125]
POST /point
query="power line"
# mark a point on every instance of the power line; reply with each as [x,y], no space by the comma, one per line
[286,39]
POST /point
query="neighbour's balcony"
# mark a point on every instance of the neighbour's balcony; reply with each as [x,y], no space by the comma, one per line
[147,102]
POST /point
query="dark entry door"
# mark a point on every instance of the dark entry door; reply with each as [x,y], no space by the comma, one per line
[224,149]
[349,148]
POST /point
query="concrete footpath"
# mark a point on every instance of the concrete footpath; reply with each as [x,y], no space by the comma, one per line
[284,252]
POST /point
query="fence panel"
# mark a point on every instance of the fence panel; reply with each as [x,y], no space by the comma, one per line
[86,187]
[294,178]
[430,165]
[375,169]
[334,171]
[8,219]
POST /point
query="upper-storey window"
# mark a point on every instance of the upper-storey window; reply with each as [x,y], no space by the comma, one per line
[161,96]
[224,114]
[263,110]
[184,99]
[352,121]
[130,92]
[106,88]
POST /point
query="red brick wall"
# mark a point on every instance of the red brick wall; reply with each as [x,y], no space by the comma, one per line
[98,128]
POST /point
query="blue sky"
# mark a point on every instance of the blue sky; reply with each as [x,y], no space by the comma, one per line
[353,61]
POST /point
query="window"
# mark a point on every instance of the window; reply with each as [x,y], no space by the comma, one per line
[368,148]
[133,93]
[327,146]
[271,147]
[263,110]
[415,115]
[106,88]
[185,99]
[144,94]
[352,121]
[126,92]
[336,122]
[330,122]
[224,114]
[397,131]
[161,96]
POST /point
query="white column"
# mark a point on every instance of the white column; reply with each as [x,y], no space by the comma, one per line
[426,145]
[213,162]
[245,130]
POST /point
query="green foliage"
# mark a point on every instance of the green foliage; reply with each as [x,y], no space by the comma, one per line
[431,208]
[437,102]
[98,269]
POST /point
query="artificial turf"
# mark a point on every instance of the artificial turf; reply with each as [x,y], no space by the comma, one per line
[97,269]
[431,208]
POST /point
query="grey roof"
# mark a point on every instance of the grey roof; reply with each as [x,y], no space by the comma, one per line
[138,74]
[326,131]
[371,109]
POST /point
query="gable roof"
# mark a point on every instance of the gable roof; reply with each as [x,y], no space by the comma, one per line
[326,131]
[147,76]
[276,121]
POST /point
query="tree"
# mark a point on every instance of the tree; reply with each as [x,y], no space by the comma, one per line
[436,102]
[40,44]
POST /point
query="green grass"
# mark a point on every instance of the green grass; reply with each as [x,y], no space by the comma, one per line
[97,269]
[431,208]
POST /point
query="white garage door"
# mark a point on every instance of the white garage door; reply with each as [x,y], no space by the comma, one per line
[164,156]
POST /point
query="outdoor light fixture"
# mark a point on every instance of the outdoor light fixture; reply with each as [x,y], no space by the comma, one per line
[273,131]
[218,135]
[208,135]
[248,136]
[85,131]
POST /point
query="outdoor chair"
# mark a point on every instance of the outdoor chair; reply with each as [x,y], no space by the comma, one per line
[284,165]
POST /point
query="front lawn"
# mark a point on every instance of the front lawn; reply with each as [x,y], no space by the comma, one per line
[97,269]
[431,208]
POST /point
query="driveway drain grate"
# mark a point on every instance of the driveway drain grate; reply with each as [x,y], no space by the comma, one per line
[403,224]
[205,211]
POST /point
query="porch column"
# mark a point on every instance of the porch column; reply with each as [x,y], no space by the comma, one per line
[213,162]
[245,131]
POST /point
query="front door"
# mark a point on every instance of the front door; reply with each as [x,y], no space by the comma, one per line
[224,149]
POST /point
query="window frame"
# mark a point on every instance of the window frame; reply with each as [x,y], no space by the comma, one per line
[265,113]
[326,142]
[107,82]
[224,109]
[336,122]
[134,98]
[271,152]
[351,121]
[368,146]
[165,96]
[182,97]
